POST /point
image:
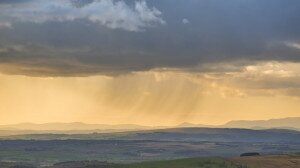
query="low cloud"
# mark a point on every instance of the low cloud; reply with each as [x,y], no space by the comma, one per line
[257,79]
[5,25]
[185,21]
[293,45]
[112,14]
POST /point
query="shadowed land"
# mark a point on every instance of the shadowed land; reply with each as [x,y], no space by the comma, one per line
[267,161]
[137,146]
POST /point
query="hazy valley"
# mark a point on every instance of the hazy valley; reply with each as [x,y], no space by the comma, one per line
[123,146]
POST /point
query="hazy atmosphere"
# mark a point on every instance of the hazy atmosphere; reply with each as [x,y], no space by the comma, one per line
[149,83]
[149,62]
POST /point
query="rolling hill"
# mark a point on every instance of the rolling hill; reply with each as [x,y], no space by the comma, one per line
[287,123]
[180,134]
[71,126]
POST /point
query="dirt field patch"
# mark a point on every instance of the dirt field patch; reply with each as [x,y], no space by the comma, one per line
[271,161]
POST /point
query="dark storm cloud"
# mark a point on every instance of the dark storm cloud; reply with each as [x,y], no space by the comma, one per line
[76,37]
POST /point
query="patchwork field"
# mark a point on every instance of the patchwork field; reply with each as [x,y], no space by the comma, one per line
[179,163]
[48,152]
[267,161]
[45,152]
[271,161]
[152,146]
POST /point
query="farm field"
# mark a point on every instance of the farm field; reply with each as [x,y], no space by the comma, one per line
[152,145]
[271,161]
[266,161]
[48,152]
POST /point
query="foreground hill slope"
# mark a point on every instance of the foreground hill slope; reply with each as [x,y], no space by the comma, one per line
[267,161]
[184,163]
[271,161]
[179,163]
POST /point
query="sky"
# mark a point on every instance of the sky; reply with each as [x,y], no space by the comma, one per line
[149,62]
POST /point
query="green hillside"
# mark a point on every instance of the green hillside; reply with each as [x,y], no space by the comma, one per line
[208,162]
[184,163]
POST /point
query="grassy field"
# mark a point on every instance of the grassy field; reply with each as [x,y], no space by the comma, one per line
[184,163]
[265,161]
[209,162]
[204,162]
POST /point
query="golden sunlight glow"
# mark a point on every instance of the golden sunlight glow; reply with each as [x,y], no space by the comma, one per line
[153,97]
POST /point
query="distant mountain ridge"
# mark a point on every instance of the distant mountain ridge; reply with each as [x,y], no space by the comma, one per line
[71,126]
[178,134]
[292,123]
[287,123]
[187,124]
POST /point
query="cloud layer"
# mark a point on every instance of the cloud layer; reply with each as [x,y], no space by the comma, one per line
[82,38]
[113,14]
